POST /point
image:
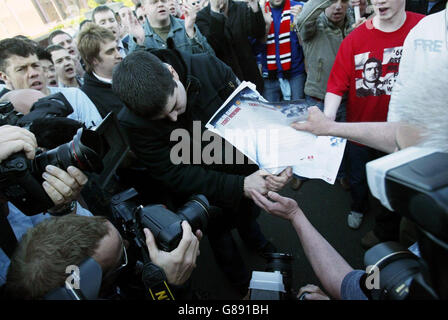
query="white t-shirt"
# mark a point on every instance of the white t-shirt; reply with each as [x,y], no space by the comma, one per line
[423,66]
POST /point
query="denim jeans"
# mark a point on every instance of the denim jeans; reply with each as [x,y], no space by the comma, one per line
[314,102]
[273,93]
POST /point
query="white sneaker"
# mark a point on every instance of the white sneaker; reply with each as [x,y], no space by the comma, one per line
[354,219]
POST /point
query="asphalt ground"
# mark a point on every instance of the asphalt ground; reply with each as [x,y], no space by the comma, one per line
[326,206]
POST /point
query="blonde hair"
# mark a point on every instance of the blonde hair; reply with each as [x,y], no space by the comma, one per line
[89,42]
[39,262]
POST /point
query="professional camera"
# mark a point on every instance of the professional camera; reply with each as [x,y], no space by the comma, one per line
[276,281]
[130,218]
[99,151]
[413,183]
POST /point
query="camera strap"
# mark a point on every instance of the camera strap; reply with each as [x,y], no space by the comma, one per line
[8,240]
[156,283]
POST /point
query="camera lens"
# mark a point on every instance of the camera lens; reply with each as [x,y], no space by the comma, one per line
[281,262]
[196,212]
[85,152]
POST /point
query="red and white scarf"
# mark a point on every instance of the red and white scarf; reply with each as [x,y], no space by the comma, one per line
[284,40]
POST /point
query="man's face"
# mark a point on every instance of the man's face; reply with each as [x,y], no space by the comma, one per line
[109,253]
[196,3]
[124,13]
[336,12]
[388,9]
[24,73]
[177,102]
[107,20]
[108,58]
[173,7]
[140,15]
[50,73]
[276,3]
[156,10]
[64,40]
[63,64]
[372,72]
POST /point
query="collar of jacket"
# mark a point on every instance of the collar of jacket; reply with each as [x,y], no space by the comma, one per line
[174,23]
[89,77]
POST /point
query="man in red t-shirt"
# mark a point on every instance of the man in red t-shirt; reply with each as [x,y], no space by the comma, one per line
[366,67]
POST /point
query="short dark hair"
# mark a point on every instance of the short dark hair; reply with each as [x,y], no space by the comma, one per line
[56,33]
[54,47]
[143,83]
[43,54]
[14,46]
[371,60]
[83,22]
[102,8]
[39,262]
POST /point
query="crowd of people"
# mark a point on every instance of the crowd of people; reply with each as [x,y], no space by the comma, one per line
[377,81]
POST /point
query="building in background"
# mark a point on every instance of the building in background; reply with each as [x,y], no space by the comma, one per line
[36,18]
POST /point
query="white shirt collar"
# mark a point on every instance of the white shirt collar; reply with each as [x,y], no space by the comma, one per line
[106,80]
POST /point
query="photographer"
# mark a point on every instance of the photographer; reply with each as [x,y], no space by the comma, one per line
[63,187]
[48,253]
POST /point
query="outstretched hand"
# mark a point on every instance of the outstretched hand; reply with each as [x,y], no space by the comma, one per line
[317,123]
[283,207]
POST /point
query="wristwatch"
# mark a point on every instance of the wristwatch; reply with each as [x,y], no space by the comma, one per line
[65,209]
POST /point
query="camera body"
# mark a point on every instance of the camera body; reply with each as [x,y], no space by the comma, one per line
[131,218]
[99,151]
[413,183]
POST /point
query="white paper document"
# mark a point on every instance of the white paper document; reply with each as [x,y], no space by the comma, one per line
[261,130]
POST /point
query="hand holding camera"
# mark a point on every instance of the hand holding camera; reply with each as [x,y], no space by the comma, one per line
[15,139]
[63,186]
[179,263]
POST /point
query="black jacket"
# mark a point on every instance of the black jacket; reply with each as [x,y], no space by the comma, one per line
[229,38]
[101,95]
[208,82]
[421,6]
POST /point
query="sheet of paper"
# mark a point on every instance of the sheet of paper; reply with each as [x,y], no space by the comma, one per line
[261,130]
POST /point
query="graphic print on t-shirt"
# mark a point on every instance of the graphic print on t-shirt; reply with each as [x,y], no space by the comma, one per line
[375,75]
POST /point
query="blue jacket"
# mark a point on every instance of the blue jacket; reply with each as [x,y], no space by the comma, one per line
[177,32]
[297,58]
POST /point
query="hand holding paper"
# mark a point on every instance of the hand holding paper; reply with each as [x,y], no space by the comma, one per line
[317,123]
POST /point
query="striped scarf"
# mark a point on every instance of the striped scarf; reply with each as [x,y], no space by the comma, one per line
[284,40]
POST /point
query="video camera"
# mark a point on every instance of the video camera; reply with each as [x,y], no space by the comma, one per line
[275,282]
[99,150]
[413,183]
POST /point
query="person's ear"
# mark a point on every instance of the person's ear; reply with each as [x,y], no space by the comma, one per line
[3,76]
[95,62]
[173,72]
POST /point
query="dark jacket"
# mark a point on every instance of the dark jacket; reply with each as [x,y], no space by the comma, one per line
[208,82]
[101,95]
[421,6]
[229,38]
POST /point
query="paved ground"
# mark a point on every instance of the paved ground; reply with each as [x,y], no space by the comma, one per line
[326,206]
